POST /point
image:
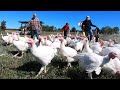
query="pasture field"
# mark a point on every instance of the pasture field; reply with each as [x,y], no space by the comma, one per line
[27,67]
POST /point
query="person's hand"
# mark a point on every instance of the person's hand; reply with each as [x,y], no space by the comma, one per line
[39,28]
[69,33]
[96,27]
[62,34]
[25,28]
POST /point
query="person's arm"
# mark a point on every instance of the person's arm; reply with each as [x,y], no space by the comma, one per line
[63,30]
[83,24]
[28,24]
[38,22]
[69,29]
[92,24]
[98,29]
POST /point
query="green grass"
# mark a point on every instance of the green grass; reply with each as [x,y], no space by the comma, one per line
[27,67]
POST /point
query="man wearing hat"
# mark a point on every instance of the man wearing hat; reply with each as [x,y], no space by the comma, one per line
[66,30]
[87,27]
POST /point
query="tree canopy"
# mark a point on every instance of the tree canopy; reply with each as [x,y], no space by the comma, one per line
[3,25]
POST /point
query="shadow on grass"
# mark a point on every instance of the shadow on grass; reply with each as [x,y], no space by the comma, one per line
[76,74]
[30,66]
[15,52]
[80,74]
[4,44]
[59,63]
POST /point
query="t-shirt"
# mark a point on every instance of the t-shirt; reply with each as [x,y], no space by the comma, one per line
[66,28]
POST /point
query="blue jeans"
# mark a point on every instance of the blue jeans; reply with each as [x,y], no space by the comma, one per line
[89,35]
[34,32]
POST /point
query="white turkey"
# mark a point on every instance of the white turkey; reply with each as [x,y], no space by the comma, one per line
[67,52]
[96,47]
[47,42]
[13,37]
[112,67]
[115,41]
[43,54]
[56,44]
[72,43]
[68,39]
[93,62]
[21,46]
[56,39]
[105,43]
[107,50]
[5,38]
[51,37]
[22,38]
[79,45]
[86,47]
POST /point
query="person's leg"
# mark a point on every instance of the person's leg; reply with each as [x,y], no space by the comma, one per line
[40,31]
[36,33]
[65,34]
[90,33]
[32,33]
[97,37]
[24,32]
[86,34]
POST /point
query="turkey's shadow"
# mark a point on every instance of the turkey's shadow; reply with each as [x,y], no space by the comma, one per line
[4,44]
[30,66]
[59,63]
[80,74]
[15,52]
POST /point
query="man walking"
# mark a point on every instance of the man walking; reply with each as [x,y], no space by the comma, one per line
[35,26]
[87,27]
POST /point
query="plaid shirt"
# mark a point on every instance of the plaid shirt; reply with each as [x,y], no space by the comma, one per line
[34,24]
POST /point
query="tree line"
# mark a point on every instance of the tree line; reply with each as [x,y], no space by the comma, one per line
[109,30]
[47,28]
[103,30]
[3,25]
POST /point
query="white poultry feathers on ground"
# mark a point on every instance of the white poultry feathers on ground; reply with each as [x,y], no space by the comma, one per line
[93,62]
[67,52]
[43,54]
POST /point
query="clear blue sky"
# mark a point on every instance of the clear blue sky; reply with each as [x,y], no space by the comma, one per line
[59,18]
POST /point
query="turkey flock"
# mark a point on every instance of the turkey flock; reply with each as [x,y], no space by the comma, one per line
[91,56]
